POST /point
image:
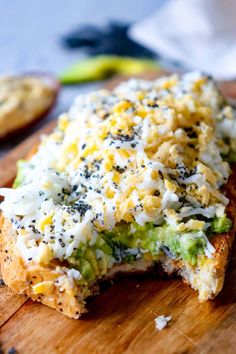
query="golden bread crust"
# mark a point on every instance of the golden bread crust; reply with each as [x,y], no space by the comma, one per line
[21,277]
[208,278]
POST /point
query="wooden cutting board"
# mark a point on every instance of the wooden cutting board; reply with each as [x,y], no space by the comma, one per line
[121,318]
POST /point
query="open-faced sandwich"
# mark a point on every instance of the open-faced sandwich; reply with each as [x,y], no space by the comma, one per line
[24,100]
[129,179]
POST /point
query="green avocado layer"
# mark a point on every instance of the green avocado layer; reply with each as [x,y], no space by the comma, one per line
[220,225]
[128,242]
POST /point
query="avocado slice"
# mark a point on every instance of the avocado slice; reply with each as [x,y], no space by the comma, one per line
[104,66]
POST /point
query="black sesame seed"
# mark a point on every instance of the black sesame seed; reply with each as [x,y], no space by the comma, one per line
[2,283]
[172,176]
[81,207]
[161,174]
[153,105]
[12,350]
[119,169]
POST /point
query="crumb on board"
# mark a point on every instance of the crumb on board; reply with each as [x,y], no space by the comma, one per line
[161,322]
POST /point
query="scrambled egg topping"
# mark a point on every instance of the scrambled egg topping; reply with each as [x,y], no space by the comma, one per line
[149,151]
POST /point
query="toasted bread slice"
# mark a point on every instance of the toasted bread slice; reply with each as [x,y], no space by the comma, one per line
[54,274]
[28,99]
[23,278]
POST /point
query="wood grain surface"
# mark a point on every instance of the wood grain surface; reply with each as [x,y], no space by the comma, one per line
[121,318]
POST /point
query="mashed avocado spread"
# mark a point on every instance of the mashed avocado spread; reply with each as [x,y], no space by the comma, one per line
[129,242]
